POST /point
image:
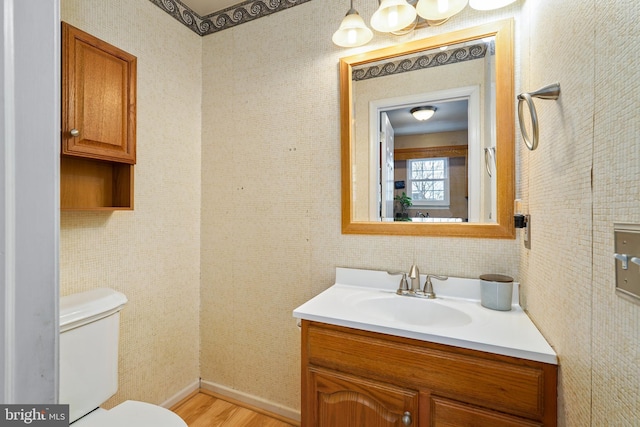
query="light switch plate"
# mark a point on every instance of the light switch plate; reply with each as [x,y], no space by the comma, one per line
[627,242]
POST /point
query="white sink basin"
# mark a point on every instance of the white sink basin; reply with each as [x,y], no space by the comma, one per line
[410,310]
[367,300]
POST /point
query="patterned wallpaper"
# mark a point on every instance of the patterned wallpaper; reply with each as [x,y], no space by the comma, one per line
[579,182]
[151,254]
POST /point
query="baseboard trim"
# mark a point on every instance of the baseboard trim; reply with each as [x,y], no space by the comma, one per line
[255,403]
[182,394]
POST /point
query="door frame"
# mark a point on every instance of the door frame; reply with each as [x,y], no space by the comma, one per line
[29,195]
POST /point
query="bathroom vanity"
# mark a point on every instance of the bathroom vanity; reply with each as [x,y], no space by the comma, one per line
[368,358]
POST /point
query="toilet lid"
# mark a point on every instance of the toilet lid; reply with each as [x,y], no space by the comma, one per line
[132,414]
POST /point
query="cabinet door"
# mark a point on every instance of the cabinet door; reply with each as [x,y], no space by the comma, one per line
[345,401]
[449,413]
[98,98]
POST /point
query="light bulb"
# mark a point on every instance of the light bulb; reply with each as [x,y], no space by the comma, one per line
[352,36]
[392,16]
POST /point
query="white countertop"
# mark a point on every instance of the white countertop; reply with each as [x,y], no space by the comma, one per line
[509,333]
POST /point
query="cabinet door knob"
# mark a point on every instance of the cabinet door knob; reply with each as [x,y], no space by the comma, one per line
[406,418]
[74,132]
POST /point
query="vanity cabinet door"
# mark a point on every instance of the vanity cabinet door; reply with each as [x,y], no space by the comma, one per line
[98,135]
[98,98]
[345,401]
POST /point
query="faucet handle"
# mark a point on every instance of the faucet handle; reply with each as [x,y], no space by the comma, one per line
[428,286]
[403,288]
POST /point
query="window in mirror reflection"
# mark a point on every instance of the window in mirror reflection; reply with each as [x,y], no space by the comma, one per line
[428,180]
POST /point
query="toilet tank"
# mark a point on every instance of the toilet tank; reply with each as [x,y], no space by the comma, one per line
[89,325]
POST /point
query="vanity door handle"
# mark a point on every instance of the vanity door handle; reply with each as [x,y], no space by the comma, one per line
[74,132]
[406,419]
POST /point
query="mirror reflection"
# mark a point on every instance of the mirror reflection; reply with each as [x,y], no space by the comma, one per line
[425,143]
[430,122]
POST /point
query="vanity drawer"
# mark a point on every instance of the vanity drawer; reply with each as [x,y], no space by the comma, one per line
[497,382]
[448,413]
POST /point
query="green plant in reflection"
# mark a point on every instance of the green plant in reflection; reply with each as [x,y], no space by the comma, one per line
[404,201]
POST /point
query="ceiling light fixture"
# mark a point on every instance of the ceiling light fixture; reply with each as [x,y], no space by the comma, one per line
[423,113]
[353,31]
[393,15]
[402,16]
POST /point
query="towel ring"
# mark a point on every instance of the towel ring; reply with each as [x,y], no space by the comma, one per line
[551,91]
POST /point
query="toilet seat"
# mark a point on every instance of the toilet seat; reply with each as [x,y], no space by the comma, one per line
[132,414]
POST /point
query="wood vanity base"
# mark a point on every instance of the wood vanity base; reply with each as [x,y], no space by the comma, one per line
[353,378]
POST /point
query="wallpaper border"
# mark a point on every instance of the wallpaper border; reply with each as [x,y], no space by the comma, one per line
[421,61]
[227,18]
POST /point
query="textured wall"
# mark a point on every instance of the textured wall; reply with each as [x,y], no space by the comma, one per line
[271,234]
[152,253]
[616,197]
[568,274]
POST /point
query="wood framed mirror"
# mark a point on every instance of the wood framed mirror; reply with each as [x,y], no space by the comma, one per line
[459,171]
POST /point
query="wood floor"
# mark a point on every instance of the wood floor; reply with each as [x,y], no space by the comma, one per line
[206,409]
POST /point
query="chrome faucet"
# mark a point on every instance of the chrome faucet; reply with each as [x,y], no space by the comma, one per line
[428,286]
[414,275]
[415,289]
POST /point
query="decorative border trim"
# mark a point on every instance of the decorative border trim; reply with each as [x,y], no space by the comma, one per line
[226,18]
[430,60]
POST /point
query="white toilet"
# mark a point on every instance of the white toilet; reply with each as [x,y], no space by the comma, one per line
[89,324]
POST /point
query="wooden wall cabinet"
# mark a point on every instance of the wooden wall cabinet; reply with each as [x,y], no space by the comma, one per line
[355,378]
[98,123]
